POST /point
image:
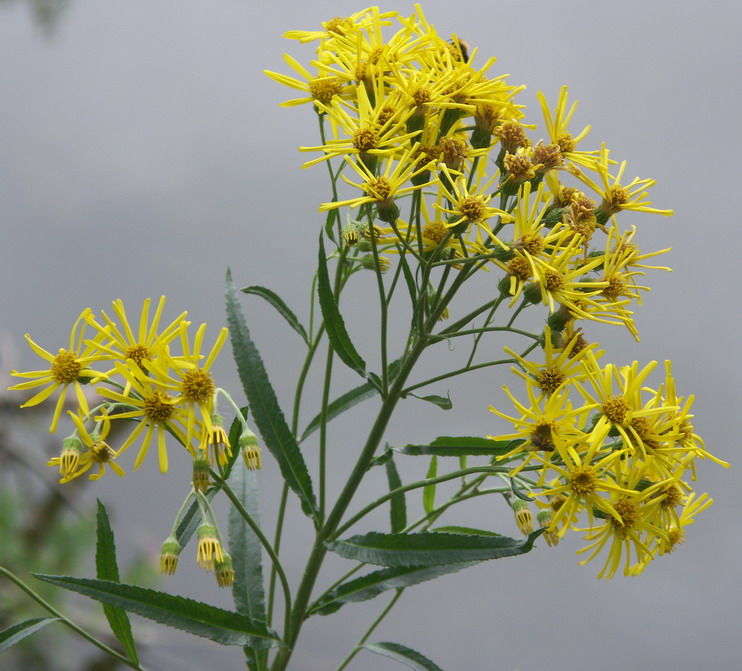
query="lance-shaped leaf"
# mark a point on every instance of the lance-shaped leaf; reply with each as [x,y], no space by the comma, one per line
[429,490]
[246,553]
[429,549]
[443,402]
[404,655]
[277,302]
[264,404]
[461,446]
[194,617]
[334,324]
[18,632]
[371,585]
[106,568]
[398,504]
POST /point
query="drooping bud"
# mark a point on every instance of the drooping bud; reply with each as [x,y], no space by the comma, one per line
[523,517]
[209,546]
[169,555]
[69,458]
[544,518]
[201,475]
[224,571]
[250,450]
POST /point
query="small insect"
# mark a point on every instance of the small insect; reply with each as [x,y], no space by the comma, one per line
[463,48]
[541,439]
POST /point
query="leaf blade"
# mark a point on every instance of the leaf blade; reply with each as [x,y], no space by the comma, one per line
[264,405]
[334,323]
[17,632]
[398,503]
[429,548]
[403,654]
[106,568]
[277,302]
[197,618]
[460,446]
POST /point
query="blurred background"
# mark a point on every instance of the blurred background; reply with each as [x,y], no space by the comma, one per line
[142,152]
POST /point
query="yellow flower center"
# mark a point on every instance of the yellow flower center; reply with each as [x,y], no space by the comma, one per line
[386,114]
[550,379]
[473,208]
[158,408]
[583,480]
[65,367]
[365,139]
[198,387]
[673,496]
[616,409]
[553,280]
[675,536]
[339,25]
[565,143]
[616,287]
[138,353]
[325,89]
[102,452]
[628,512]
[379,188]
[421,96]
[519,268]
[435,231]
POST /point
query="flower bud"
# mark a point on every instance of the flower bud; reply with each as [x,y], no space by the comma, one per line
[209,547]
[369,263]
[169,555]
[544,518]
[350,234]
[224,571]
[250,450]
[69,458]
[523,517]
[201,475]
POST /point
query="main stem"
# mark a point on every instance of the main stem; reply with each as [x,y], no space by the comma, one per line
[304,593]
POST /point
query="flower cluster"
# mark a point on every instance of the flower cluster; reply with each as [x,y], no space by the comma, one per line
[140,376]
[608,448]
[413,117]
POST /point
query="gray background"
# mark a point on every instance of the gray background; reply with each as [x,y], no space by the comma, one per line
[142,152]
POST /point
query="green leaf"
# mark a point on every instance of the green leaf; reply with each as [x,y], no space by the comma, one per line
[429,549]
[472,446]
[246,552]
[334,324]
[443,402]
[106,568]
[453,529]
[375,583]
[264,404]
[235,431]
[281,307]
[18,632]
[340,405]
[409,278]
[397,504]
[429,490]
[403,654]
[194,617]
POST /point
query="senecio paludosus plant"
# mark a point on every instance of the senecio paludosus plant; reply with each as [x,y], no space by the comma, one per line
[434,179]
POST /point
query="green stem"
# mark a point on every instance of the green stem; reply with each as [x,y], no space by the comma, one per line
[459,371]
[371,629]
[255,527]
[79,630]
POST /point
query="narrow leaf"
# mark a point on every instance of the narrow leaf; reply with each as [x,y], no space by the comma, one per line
[443,402]
[449,446]
[375,583]
[246,553]
[334,324]
[340,405]
[194,617]
[281,307]
[404,655]
[264,404]
[398,504]
[429,490]
[106,568]
[18,632]
[453,529]
[429,549]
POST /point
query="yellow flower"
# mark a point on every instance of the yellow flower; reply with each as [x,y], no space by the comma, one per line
[339,26]
[98,452]
[209,546]
[616,197]
[556,127]
[319,88]
[124,343]
[67,367]
[156,411]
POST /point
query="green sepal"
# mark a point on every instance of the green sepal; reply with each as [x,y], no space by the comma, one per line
[12,635]
[197,618]
[277,302]
[429,549]
[334,324]
[106,568]
[404,655]
[264,405]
